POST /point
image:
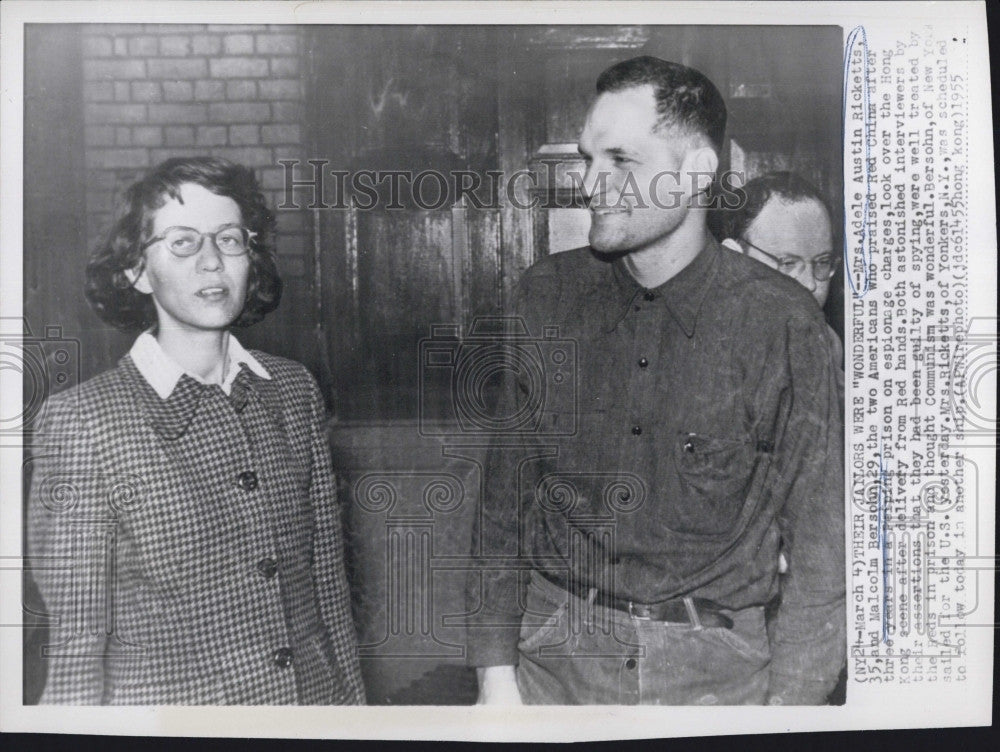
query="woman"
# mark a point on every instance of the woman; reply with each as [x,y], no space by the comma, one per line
[188,495]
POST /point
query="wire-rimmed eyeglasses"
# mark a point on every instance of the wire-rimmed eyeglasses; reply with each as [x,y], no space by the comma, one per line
[231,240]
[823,267]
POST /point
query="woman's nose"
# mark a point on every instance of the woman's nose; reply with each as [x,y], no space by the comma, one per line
[209,255]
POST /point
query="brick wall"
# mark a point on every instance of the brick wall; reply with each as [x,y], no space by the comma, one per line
[154,91]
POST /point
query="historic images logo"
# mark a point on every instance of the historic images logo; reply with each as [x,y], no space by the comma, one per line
[44,365]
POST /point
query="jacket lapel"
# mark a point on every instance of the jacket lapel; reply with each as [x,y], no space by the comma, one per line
[170,417]
[265,390]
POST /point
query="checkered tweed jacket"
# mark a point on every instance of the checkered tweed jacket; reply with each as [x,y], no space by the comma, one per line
[189,550]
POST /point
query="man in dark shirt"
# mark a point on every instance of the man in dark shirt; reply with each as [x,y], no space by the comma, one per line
[630,559]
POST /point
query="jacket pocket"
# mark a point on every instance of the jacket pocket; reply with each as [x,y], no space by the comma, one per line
[714,475]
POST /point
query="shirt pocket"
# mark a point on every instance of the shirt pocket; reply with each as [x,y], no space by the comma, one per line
[714,475]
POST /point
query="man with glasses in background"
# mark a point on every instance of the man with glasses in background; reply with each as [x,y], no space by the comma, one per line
[784,223]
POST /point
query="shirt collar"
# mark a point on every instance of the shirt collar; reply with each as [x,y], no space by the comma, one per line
[162,372]
[682,294]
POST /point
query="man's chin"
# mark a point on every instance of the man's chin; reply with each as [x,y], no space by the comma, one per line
[602,243]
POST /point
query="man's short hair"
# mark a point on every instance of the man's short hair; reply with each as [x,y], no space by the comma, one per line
[786,186]
[685,98]
[108,288]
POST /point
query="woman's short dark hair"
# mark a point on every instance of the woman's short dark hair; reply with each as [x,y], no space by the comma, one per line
[111,293]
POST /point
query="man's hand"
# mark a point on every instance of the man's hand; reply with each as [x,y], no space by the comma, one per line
[498,686]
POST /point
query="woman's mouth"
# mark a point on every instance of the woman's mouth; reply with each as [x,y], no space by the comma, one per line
[212,293]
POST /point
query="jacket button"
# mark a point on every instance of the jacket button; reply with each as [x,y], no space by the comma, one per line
[282,657]
[643,362]
[247,480]
[648,296]
[268,567]
[636,430]
[630,664]
[689,446]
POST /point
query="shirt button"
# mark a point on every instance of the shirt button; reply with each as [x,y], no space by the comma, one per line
[630,664]
[636,430]
[643,362]
[282,657]
[648,296]
[247,480]
[268,567]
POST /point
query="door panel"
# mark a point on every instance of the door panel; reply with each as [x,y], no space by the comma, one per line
[414,101]
[403,258]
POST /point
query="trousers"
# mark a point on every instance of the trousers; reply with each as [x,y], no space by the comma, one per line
[575,652]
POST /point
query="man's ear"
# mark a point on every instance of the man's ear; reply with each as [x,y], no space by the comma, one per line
[700,165]
[137,276]
[732,245]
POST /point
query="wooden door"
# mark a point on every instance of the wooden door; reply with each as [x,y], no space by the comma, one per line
[419,101]
[413,100]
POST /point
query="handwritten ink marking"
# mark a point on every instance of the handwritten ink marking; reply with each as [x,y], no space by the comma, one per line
[883,544]
[864,247]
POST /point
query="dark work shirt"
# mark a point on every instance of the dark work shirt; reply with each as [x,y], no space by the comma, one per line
[683,434]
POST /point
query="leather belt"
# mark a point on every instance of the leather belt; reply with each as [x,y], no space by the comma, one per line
[698,612]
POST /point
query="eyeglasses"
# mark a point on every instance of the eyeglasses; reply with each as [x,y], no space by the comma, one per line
[823,267]
[231,240]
